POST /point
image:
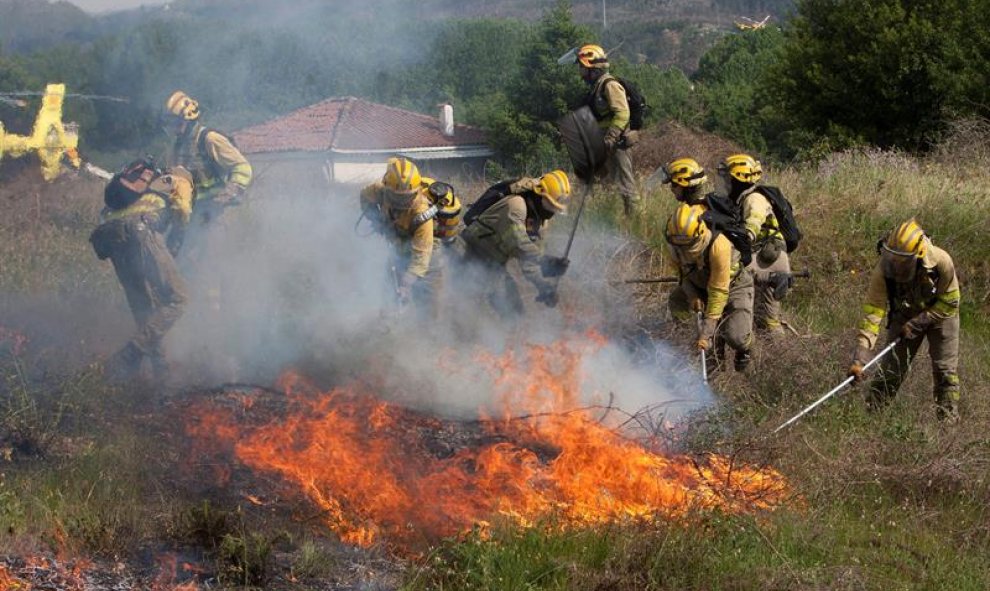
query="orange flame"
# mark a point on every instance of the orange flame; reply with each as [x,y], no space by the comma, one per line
[369,466]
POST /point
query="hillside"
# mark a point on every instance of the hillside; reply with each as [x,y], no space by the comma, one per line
[31,25]
[210,483]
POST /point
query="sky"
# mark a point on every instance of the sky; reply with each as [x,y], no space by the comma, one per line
[105,5]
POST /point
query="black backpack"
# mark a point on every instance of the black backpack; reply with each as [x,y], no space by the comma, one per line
[784,213]
[128,185]
[637,104]
[722,217]
[636,100]
[490,197]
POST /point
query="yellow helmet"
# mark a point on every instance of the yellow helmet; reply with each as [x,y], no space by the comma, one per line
[592,56]
[183,106]
[555,188]
[402,175]
[685,225]
[685,172]
[742,167]
[907,239]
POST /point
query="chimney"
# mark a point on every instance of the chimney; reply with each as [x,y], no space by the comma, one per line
[447,119]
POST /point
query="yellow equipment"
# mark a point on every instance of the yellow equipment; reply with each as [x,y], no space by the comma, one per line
[685,225]
[555,188]
[907,239]
[183,106]
[592,56]
[51,138]
[402,175]
[742,167]
[685,172]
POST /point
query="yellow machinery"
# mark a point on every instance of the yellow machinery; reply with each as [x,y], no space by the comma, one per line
[51,138]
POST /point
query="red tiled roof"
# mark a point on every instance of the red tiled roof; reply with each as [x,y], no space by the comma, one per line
[350,123]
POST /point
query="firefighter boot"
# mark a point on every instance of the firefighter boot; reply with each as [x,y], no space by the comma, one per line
[742,360]
[124,364]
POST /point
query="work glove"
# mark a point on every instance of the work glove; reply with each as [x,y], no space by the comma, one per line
[917,326]
[404,290]
[230,194]
[706,332]
[781,284]
[554,266]
[612,138]
[860,358]
[548,296]
[697,305]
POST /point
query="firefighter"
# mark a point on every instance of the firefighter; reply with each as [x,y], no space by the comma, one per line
[610,105]
[713,282]
[508,222]
[220,172]
[914,284]
[687,181]
[771,264]
[419,216]
[141,239]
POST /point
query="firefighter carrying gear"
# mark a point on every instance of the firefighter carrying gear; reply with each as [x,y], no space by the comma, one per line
[610,105]
[920,304]
[742,173]
[512,227]
[710,273]
[138,240]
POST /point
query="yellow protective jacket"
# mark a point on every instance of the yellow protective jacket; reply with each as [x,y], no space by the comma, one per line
[710,266]
[212,159]
[610,103]
[757,214]
[935,289]
[509,229]
[397,213]
[169,200]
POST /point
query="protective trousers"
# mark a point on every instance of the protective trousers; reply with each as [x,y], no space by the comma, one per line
[735,328]
[621,172]
[766,305]
[943,346]
[156,292]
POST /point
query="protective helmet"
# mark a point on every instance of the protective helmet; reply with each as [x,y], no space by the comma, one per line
[685,172]
[402,175]
[555,188]
[183,106]
[685,226]
[742,167]
[907,239]
[592,56]
[902,251]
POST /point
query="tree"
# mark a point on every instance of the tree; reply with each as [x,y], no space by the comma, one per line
[541,92]
[884,72]
[730,81]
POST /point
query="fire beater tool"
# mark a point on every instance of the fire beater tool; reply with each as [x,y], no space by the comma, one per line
[834,390]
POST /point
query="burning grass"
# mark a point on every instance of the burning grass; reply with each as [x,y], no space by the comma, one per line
[381,473]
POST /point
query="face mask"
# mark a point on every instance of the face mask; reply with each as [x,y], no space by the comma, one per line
[899,267]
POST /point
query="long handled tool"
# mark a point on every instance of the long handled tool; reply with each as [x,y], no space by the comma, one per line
[834,390]
[662,279]
[704,356]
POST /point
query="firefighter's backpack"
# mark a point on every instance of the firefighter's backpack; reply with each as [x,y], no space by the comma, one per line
[722,216]
[128,185]
[784,213]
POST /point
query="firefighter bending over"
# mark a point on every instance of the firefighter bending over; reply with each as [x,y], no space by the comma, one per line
[914,284]
[508,222]
[419,216]
[141,233]
[713,281]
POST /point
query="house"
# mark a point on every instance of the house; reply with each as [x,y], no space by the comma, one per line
[348,141]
